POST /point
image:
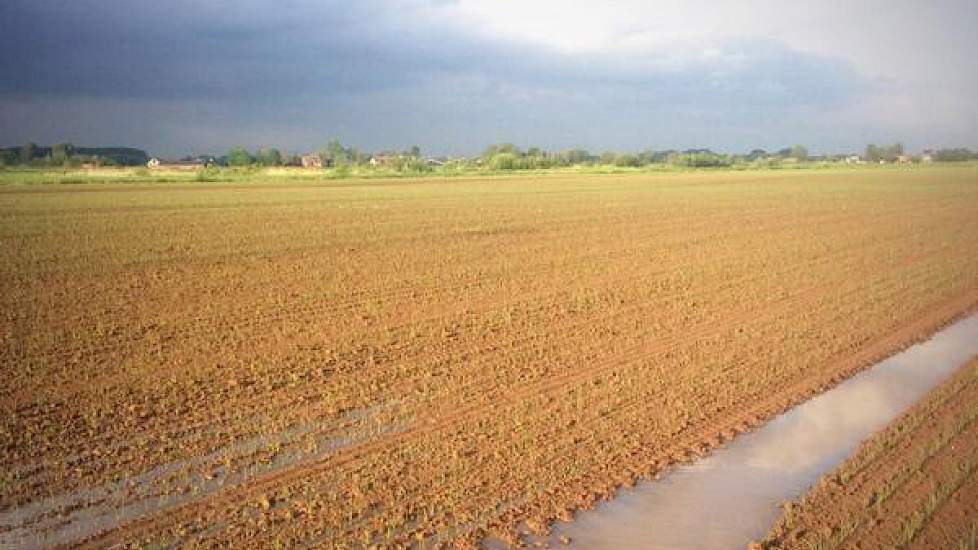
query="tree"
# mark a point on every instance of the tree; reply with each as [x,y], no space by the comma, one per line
[269,157]
[540,161]
[334,154]
[953,155]
[503,161]
[575,156]
[409,163]
[500,148]
[414,151]
[239,156]
[699,158]
[873,153]
[28,152]
[799,152]
[61,152]
[756,154]
[894,151]
[8,157]
[608,157]
[626,159]
[876,153]
[646,157]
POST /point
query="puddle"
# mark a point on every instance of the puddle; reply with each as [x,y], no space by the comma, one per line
[734,496]
[72,517]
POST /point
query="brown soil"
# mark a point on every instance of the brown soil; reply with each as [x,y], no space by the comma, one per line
[418,362]
[913,485]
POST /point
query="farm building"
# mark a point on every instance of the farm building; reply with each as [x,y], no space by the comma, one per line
[381,160]
[161,164]
[312,161]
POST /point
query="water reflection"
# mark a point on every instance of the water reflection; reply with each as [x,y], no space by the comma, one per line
[733,496]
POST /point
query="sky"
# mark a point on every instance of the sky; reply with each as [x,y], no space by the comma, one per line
[185,77]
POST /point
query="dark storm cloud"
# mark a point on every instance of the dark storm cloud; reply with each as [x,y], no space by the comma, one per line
[240,51]
[190,50]
[375,73]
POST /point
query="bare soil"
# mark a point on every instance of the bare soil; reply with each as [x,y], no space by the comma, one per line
[427,362]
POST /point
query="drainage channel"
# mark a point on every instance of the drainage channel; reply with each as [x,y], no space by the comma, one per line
[734,496]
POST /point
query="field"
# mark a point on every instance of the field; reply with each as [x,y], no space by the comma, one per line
[913,485]
[425,362]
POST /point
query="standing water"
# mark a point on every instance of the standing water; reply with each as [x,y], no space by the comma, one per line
[734,495]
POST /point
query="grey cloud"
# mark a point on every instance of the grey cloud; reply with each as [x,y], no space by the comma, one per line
[243,51]
[378,74]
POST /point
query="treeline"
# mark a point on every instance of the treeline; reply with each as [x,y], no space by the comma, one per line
[958,154]
[876,153]
[892,153]
[501,157]
[333,155]
[507,156]
[66,154]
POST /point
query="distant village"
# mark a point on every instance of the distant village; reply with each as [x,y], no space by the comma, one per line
[508,156]
[495,157]
[308,160]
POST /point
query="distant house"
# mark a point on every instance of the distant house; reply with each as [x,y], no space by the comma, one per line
[853,159]
[381,160]
[928,156]
[161,164]
[312,161]
[904,159]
